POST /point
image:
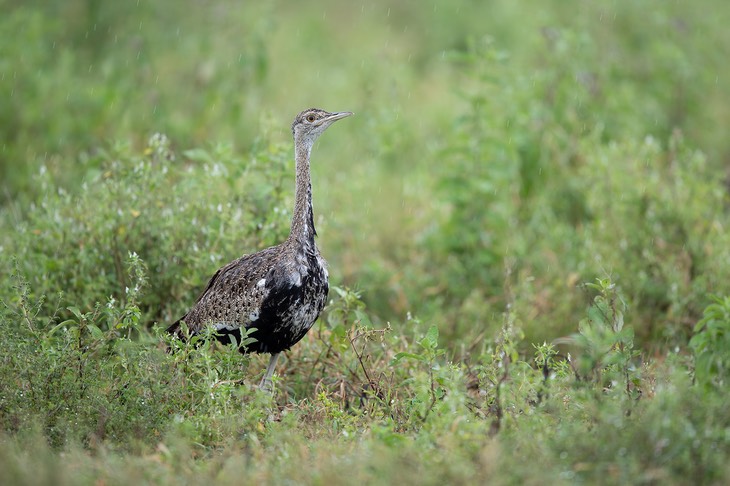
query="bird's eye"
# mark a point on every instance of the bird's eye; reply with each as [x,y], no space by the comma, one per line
[310,118]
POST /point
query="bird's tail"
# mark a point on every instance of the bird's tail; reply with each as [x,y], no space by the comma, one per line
[176,330]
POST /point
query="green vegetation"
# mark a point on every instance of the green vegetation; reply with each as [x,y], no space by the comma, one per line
[526,224]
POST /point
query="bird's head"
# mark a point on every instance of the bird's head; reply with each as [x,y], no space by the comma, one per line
[309,124]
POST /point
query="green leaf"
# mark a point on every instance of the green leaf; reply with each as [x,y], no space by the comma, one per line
[430,340]
[68,322]
[597,315]
[75,311]
[402,355]
[96,333]
[363,318]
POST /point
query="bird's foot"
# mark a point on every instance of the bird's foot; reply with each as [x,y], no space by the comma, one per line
[266,384]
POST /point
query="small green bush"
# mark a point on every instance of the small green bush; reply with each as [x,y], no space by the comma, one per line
[711,345]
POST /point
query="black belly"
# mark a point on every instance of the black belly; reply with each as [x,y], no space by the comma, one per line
[286,315]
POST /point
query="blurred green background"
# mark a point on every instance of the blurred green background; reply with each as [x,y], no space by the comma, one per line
[502,153]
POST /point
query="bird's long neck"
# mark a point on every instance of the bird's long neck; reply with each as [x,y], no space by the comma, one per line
[302,224]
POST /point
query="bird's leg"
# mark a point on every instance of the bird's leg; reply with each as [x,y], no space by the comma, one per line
[266,384]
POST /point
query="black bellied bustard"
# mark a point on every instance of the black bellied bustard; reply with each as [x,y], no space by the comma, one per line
[281,290]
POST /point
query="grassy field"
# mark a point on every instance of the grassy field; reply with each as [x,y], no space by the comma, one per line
[526,223]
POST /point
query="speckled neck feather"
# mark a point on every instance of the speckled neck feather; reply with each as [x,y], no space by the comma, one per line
[302,223]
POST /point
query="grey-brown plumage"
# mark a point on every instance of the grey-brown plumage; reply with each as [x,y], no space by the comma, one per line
[281,290]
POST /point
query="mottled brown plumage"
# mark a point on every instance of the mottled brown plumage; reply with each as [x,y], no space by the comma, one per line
[281,290]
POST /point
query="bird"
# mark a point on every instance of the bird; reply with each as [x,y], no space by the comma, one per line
[276,294]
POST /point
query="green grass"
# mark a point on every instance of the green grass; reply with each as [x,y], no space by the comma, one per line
[526,225]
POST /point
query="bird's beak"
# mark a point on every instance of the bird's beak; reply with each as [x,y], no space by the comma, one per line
[337,116]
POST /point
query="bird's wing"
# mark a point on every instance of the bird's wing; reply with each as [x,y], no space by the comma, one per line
[232,298]
[214,279]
